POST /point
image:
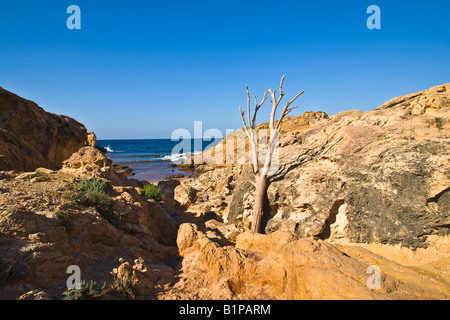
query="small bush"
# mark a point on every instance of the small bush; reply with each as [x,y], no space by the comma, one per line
[73,197]
[152,192]
[65,219]
[86,291]
[92,184]
[99,200]
[124,286]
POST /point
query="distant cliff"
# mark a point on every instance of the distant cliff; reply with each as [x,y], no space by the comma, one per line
[31,137]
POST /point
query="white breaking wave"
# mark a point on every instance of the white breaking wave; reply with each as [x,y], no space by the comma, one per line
[177,157]
[108,148]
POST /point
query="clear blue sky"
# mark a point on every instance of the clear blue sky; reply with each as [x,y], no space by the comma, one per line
[140,69]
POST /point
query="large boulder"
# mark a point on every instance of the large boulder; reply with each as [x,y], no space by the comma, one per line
[31,137]
[90,162]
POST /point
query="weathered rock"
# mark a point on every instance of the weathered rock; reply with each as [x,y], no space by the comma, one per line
[184,195]
[25,175]
[35,295]
[168,191]
[280,266]
[288,140]
[43,231]
[140,278]
[378,176]
[45,171]
[31,138]
[91,139]
[89,162]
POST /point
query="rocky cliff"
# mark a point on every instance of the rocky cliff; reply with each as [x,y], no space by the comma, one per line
[31,137]
[378,176]
[48,222]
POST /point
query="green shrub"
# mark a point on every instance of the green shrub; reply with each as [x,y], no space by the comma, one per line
[92,188]
[92,184]
[152,192]
[99,200]
[86,291]
[65,219]
[72,196]
[124,286]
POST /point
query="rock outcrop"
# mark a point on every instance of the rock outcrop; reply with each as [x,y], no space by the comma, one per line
[378,176]
[90,162]
[357,193]
[31,137]
[281,266]
[381,176]
[46,225]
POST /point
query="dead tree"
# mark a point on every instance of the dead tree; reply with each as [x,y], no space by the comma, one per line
[261,168]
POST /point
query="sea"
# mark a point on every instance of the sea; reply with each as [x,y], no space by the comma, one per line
[152,159]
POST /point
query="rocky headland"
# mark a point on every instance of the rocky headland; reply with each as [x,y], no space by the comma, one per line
[356,191]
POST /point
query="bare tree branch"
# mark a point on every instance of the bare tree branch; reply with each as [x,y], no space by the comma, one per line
[286,109]
[248,106]
[257,107]
[243,119]
[249,132]
[281,90]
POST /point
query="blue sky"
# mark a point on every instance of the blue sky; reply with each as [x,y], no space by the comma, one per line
[140,69]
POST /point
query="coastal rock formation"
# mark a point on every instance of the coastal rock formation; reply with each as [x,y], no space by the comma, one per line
[357,193]
[89,162]
[347,184]
[378,176]
[31,137]
[281,266]
[46,225]
[381,176]
[184,195]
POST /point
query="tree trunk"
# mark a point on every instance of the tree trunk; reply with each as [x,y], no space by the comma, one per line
[258,209]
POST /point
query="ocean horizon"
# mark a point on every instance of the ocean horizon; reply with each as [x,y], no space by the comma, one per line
[151,159]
